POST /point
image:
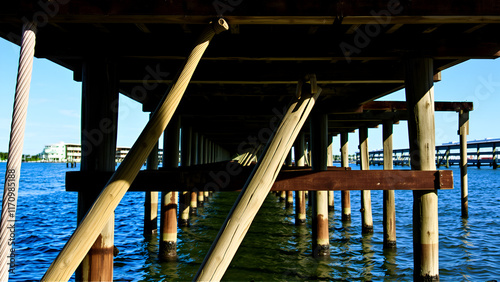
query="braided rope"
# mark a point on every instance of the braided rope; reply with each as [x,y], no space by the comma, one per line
[12,173]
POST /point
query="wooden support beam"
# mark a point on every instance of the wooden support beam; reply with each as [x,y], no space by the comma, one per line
[151,201]
[185,197]
[389,206]
[329,161]
[169,200]
[402,106]
[289,194]
[319,148]
[420,101]
[99,101]
[463,131]
[193,205]
[102,210]
[342,179]
[300,196]
[366,200]
[344,160]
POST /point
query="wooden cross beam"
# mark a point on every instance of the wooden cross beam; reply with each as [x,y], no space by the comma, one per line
[401,106]
[230,176]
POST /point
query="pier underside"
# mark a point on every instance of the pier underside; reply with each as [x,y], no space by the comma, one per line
[279,62]
[355,48]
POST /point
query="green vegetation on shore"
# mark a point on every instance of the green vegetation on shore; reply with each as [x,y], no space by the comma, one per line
[26,158]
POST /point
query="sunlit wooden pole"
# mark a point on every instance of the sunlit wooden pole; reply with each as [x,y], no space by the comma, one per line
[102,210]
[300,197]
[421,128]
[463,131]
[389,206]
[329,162]
[344,159]
[366,201]
[319,138]
[256,190]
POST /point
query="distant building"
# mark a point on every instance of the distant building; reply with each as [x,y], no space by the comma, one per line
[70,152]
[54,152]
[73,152]
[121,152]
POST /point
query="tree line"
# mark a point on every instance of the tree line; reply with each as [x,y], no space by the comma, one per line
[25,158]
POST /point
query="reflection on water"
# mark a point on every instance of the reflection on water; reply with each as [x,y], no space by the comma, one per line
[274,248]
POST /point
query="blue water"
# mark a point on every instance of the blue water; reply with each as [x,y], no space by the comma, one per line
[274,249]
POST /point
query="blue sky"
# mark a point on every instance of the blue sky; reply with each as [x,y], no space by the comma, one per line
[55,105]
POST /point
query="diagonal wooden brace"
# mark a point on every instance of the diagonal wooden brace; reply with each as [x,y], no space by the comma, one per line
[256,189]
[84,236]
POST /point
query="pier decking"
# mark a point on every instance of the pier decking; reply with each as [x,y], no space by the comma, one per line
[260,72]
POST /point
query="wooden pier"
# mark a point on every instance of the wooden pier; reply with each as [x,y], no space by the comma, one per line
[479,153]
[245,80]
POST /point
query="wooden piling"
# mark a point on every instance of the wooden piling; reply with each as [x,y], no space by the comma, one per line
[463,131]
[185,197]
[319,138]
[331,195]
[289,194]
[203,160]
[99,100]
[256,190]
[151,198]
[300,197]
[209,159]
[389,206]
[168,226]
[193,205]
[420,103]
[366,201]
[344,159]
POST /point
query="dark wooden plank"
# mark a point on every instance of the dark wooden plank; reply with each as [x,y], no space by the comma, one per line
[232,177]
[401,106]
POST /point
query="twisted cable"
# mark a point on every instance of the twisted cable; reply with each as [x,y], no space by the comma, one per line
[12,173]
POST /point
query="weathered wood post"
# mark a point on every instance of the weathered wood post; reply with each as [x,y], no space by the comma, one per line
[193,205]
[319,142]
[203,160]
[256,189]
[420,100]
[289,194]
[168,223]
[389,214]
[151,202]
[300,196]
[463,131]
[185,197]
[209,159]
[329,162]
[99,133]
[344,159]
[366,201]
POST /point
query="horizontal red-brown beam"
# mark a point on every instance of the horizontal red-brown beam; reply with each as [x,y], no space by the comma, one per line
[233,177]
[364,180]
[401,106]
